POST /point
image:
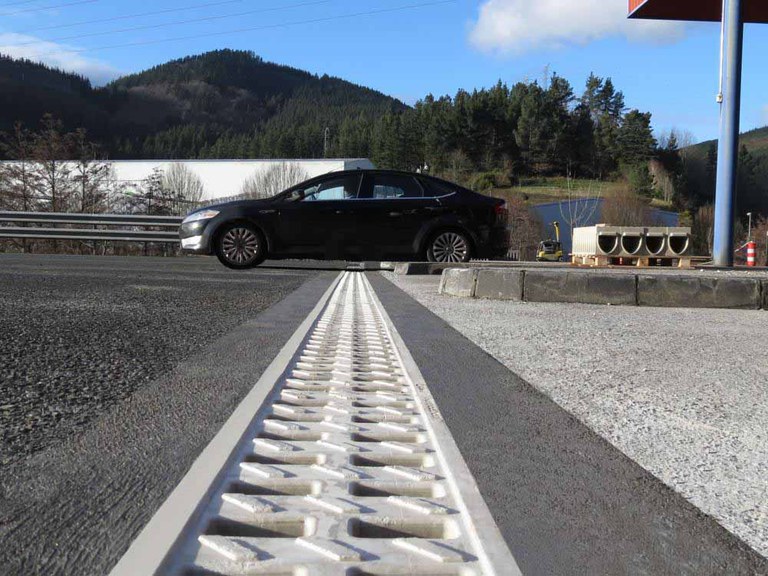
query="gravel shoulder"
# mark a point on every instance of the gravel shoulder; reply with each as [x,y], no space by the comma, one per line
[680,391]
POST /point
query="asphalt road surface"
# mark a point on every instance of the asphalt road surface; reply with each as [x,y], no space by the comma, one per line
[142,360]
[81,334]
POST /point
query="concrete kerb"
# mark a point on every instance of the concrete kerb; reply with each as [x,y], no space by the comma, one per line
[765,294]
[700,292]
[590,287]
[500,285]
[580,287]
[461,282]
[435,268]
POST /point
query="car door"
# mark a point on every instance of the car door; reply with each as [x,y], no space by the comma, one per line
[391,211]
[317,220]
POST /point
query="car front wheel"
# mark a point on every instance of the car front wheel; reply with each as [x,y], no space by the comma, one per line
[240,246]
[449,246]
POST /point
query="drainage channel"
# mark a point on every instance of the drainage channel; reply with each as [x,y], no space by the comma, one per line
[346,469]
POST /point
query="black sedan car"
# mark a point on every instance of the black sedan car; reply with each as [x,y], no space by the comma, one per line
[353,215]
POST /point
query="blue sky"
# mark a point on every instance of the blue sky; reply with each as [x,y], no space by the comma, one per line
[667,69]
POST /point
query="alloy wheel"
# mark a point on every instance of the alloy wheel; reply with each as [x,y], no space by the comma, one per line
[450,247]
[240,245]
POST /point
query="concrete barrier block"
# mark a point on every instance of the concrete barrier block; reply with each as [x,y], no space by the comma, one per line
[580,287]
[765,294]
[699,292]
[412,268]
[458,282]
[498,284]
[420,268]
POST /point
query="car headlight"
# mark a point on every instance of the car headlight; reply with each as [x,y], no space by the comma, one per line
[204,215]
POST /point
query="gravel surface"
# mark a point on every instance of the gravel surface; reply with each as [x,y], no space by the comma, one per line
[680,391]
[80,334]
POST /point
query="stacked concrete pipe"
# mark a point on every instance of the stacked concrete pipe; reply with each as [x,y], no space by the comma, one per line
[631,242]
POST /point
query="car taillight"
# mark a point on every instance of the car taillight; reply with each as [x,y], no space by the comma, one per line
[501,212]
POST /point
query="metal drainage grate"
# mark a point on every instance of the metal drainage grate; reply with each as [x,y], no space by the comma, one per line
[345,475]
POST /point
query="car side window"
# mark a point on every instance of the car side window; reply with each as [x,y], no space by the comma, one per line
[341,188]
[391,186]
[437,189]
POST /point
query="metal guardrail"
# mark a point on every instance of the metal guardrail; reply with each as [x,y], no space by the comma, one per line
[49,231]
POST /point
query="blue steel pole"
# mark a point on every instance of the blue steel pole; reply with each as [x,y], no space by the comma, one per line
[728,150]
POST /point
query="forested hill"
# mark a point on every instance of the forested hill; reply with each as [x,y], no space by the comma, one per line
[224,103]
[29,89]
[244,70]
[30,73]
[701,168]
[756,141]
[232,104]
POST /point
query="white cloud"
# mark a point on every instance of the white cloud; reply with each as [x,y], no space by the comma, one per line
[58,55]
[515,26]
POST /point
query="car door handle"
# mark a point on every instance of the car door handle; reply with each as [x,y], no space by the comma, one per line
[395,214]
[267,211]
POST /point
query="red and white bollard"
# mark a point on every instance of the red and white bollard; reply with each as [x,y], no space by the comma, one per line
[751,253]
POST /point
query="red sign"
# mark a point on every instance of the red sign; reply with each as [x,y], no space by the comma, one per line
[703,10]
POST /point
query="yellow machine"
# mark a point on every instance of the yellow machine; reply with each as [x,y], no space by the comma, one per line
[551,250]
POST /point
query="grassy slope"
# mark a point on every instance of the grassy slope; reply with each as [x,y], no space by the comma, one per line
[545,190]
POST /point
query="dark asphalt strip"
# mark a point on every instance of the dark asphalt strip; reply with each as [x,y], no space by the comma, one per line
[566,501]
[75,509]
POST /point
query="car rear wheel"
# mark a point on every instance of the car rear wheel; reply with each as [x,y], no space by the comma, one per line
[240,246]
[449,246]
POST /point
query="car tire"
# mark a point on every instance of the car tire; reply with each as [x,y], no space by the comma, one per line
[449,246]
[240,246]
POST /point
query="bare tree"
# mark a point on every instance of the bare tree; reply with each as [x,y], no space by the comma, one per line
[52,151]
[275,179]
[663,181]
[91,175]
[526,229]
[703,230]
[458,166]
[184,186]
[760,235]
[624,208]
[17,177]
[580,208]
[683,138]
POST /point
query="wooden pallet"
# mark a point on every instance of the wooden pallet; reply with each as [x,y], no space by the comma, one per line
[638,262]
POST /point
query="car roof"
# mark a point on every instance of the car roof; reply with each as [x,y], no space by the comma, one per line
[358,171]
[387,172]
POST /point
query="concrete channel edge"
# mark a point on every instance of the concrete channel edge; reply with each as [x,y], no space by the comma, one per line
[388,492]
[587,287]
[459,476]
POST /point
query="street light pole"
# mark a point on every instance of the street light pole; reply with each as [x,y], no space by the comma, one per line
[728,151]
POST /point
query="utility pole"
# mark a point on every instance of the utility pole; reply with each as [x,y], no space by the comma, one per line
[728,151]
